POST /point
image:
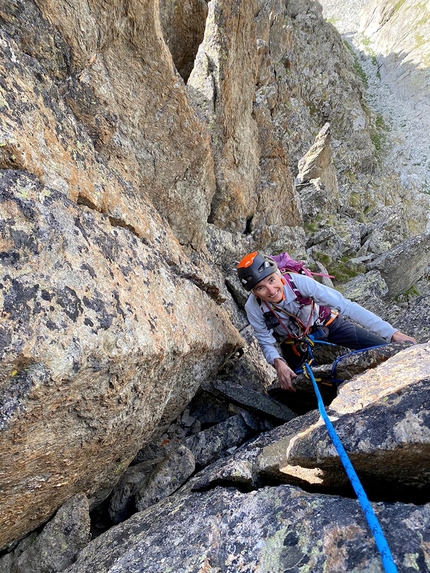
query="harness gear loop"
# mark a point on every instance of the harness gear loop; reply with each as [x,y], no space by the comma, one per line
[309,343]
[333,316]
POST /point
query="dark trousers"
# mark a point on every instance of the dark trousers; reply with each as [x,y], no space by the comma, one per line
[342,332]
[346,333]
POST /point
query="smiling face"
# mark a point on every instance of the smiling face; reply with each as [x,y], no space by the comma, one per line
[270,289]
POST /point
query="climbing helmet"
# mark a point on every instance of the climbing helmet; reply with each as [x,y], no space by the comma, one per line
[253,268]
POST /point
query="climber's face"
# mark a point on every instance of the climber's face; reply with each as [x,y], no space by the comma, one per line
[270,289]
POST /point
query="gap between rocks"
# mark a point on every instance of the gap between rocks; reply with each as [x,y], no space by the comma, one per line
[220,440]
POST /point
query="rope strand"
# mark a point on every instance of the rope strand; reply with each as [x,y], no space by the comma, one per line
[375,528]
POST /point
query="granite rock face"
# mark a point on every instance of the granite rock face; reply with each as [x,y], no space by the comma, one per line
[270,530]
[93,271]
[142,152]
[100,341]
[103,106]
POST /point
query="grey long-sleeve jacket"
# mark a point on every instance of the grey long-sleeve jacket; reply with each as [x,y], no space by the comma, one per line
[322,295]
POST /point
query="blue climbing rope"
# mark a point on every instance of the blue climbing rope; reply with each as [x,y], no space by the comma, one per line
[312,341]
[375,528]
[339,358]
[317,341]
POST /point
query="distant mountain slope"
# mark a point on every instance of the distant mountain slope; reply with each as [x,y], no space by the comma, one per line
[399,33]
[392,41]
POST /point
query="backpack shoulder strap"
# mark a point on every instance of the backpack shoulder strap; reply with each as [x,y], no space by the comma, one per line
[300,298]
[324,311]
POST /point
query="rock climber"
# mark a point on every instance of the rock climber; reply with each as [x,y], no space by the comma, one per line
[292,306]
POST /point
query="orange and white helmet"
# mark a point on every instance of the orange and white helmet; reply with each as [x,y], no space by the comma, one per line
[255,267]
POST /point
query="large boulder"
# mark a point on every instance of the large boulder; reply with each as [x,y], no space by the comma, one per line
[404,265]
[382,419]
[101,342]
[272,530]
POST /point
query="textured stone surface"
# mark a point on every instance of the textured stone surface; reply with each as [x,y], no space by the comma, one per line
[58,544]
[99,340]
[271,530]
[405,368]
[414,318]
[382,419]
[208,445]
[383,35]
[249,364]
[122,503]
[166,478]
[405,264]
[403,58]
[246,466]
[127,103]
[309,71]
[257,401]
[216,95]
[316,180]
[183,24]
[368,290]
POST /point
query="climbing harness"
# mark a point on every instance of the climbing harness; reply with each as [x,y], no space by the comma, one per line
[301,327]
[307,344]
[375,528]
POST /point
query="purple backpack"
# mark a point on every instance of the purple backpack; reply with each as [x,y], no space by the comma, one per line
[288,265]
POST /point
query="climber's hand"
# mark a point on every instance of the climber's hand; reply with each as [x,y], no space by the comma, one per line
[285,374]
